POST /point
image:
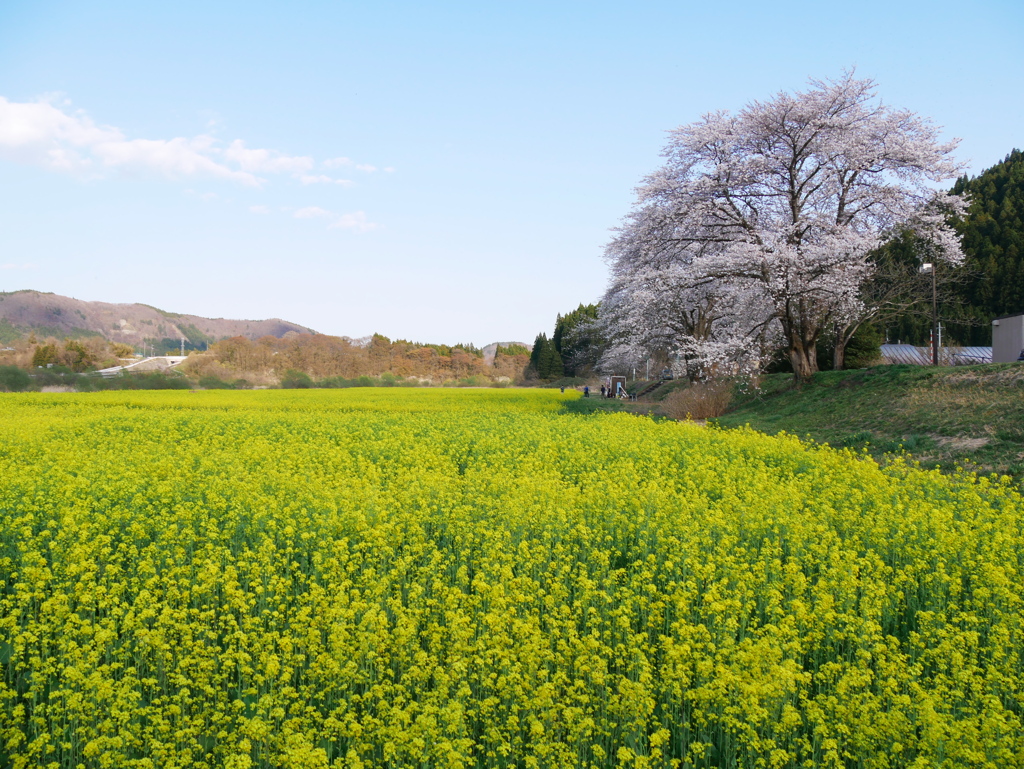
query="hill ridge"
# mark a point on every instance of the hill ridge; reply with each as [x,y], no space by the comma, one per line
[45,313]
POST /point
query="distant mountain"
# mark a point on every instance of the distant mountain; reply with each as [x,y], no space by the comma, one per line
[25,312]
[492,349]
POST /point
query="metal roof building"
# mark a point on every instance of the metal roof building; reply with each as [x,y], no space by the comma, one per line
[157,363]
[948,356]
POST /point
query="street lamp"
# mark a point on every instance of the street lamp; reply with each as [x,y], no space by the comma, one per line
[930,267]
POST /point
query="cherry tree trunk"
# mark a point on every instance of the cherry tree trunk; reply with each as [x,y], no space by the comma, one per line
[839,355]
[804,360]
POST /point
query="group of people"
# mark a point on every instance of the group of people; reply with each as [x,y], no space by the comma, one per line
[606,391]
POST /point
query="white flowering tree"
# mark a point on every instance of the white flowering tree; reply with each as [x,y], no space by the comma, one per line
[659,305]
[785,202]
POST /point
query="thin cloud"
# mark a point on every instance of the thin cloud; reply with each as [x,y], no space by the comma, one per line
[356,221]
[173,158]
[349,163]
[324,179]
[24,266]
[259,209]
[47,132]
[205,196]
[311,212]
[262,161]
[43,134]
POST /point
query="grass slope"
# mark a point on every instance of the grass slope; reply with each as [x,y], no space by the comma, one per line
[971,416]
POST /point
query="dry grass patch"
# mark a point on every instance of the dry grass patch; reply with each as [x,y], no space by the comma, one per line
[702,400]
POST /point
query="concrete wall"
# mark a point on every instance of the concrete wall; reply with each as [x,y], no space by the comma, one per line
[1007,338]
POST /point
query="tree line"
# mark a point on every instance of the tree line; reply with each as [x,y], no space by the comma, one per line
[270,360]
[571,349]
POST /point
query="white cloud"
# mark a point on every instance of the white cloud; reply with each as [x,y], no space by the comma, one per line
[311,212]
[356,221]
[259,209]
[38,132]
[41,133]
[259,161]
[173,158]
[349,163]
[25,266]
[49,133]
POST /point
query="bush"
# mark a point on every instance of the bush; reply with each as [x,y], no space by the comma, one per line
[702,400]
[14,379]
[156,380]
[476,380]
[296,380]
[88,384]
[864,349]
[210,382]
[54,376]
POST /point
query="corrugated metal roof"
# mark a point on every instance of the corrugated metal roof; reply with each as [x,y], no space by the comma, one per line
[966,355]
[948,356]
[157,363]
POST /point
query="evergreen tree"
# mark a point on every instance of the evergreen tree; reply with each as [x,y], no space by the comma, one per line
[545,362]
[576,339]
[991,282]
[993,239]
[550,363]
[535,354]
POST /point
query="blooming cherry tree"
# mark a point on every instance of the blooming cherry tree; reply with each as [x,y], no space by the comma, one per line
[659,303]
[785,202]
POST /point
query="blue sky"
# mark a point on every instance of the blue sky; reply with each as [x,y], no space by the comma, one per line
[439,172]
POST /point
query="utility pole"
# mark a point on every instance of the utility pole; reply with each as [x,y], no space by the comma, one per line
[930,267]
[183,347]
[935,320]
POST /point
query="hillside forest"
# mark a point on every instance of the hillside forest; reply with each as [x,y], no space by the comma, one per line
[297,360]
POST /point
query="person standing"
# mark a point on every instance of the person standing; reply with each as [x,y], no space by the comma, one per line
[586,391]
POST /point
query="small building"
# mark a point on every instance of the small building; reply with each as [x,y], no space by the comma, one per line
[1007,338]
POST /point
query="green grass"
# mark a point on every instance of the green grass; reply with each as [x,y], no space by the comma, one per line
[970,416]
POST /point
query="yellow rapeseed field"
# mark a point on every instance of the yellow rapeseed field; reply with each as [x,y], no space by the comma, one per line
[438,578]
